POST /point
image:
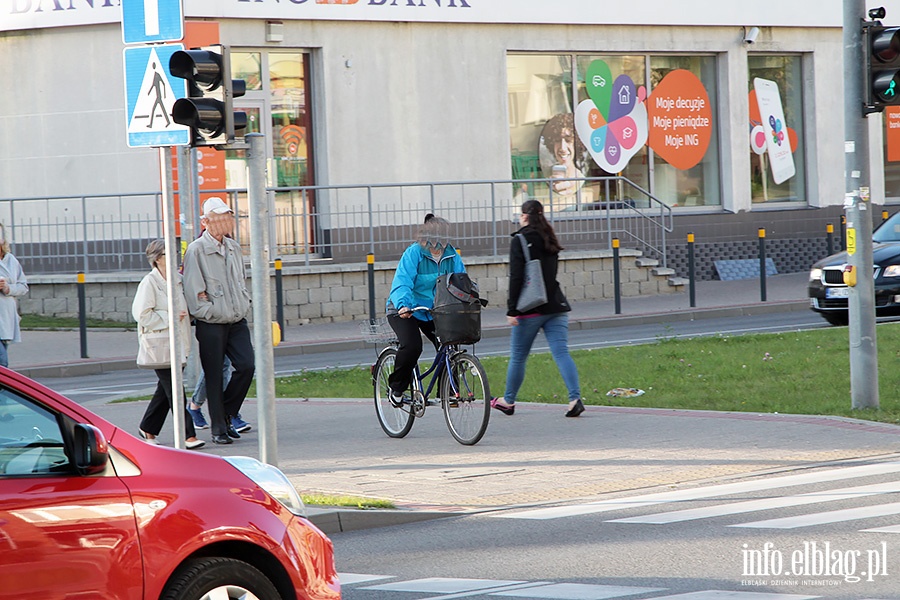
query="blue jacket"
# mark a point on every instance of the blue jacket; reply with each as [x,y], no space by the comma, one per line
[415,280]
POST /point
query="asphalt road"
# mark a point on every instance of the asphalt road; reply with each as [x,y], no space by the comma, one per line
[829,532]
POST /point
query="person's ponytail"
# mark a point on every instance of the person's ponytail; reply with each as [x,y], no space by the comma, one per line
[534,211]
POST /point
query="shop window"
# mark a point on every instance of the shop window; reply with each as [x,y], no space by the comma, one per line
[544,106]
[247,66]
[777,155]
[696,185]
[290,118]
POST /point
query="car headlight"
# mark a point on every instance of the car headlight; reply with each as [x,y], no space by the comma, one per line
[815,275]
[272,480]
[891,271]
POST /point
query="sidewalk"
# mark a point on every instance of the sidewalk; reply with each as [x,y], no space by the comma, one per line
[336,447]
[58,353]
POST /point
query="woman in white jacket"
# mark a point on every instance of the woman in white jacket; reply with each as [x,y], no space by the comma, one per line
[150,309]
[12,285]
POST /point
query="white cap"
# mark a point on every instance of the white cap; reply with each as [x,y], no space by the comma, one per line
[215,205]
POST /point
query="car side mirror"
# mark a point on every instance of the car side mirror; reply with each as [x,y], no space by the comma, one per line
[91,450]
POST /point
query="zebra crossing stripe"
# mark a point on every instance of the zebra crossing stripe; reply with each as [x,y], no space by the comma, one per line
[835,516]
[725,595]
[888,529]
[545,590]
[719,510]
[838,474]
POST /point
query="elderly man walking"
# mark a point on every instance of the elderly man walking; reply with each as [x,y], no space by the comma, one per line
[218,300]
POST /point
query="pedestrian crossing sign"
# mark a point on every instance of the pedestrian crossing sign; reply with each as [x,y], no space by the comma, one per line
[150,93]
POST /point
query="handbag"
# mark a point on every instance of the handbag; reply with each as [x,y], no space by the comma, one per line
[153,350]
[534,292]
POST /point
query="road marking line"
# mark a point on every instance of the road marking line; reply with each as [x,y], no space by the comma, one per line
[706,512]
[835,516]
[579,591]
[700,493]
[725,595]
[351,578]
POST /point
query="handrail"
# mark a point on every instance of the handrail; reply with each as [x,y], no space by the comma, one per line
[108,232]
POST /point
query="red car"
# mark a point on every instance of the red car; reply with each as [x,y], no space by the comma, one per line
[90,511]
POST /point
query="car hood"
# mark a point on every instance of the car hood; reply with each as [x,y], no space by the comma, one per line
[882,255]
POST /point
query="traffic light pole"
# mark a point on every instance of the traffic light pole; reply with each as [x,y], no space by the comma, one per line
[863,350]
[175,341]
[262,298]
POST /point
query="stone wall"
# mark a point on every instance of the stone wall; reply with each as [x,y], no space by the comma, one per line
[327,293]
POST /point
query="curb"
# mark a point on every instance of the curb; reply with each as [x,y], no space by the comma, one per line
[340,520]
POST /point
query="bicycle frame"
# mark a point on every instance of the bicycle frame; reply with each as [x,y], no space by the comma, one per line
[439,365]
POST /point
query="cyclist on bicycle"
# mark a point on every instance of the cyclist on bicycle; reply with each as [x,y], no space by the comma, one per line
[414,284]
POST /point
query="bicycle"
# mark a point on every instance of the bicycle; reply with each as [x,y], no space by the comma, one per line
[462,387]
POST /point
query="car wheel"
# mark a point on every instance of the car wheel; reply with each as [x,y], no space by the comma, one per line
[836,319]
[220,578]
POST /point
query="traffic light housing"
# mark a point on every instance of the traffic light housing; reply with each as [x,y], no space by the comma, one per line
[209,108]
[882,68]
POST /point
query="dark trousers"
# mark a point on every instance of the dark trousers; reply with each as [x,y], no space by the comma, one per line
[409,333]
[161,404]
[216,341]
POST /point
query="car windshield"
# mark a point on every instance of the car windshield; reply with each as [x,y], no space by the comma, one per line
[889,231]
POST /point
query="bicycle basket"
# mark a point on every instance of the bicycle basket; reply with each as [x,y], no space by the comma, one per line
[457,310]
[378,331]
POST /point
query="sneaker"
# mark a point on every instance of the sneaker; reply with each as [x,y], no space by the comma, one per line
[198,418]
[239,424]
[398,401]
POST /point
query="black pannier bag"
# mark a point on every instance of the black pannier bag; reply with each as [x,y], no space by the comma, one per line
[457,309]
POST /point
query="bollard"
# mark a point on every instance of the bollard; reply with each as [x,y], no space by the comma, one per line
[829,239]
[82,316]
[843,232]
[691,272]
[616,284]
[279,298]
[370,260]
[762,264]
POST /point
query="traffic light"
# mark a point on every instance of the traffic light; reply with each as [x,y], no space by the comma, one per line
[209,108]
[882,55]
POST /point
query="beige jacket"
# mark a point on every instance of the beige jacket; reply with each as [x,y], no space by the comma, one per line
[218,270]
[150,309]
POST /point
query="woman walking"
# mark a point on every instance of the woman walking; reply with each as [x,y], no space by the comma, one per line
[12,285]
[150,310]
[551,316]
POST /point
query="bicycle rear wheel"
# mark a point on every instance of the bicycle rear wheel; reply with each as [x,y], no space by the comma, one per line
[395,420]
[466,399]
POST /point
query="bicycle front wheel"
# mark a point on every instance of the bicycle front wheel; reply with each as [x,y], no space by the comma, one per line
[395,420]
[466,399]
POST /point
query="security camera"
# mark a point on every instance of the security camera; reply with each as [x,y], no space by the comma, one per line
[877,13]
[751,34]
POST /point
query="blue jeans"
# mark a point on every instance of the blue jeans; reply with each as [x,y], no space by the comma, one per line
[556,330]
[4,353]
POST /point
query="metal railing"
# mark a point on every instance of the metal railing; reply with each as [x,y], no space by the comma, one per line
[343,223]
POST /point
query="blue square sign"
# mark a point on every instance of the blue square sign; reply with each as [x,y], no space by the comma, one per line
[150,92]
[148,21]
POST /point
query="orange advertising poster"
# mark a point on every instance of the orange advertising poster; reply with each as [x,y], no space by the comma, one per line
[892,122]
[680,119]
